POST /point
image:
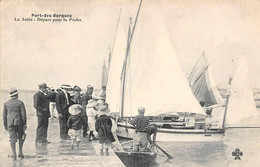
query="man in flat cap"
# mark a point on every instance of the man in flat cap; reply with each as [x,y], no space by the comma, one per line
[63,102]
[141,124]
[41,104]
[85,98]
[14,116]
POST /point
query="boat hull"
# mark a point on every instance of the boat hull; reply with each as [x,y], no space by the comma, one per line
[163,134]
[136,159]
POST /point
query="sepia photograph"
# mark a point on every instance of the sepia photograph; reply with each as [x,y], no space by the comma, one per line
[135,83]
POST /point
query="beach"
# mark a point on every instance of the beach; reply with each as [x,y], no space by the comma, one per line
[218,153]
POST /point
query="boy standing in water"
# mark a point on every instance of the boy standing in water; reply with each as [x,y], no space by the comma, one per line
[75,124]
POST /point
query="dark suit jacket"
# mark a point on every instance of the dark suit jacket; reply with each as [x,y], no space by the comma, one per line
[14,113]
[85,98]
[41,104]
[61,103]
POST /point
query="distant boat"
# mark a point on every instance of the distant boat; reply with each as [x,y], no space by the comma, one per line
[241,107]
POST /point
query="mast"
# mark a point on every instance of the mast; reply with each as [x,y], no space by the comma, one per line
[112,49]
[228,94]
[123,75]
[129,40]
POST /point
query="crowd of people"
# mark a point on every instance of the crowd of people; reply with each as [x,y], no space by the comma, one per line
[77,113]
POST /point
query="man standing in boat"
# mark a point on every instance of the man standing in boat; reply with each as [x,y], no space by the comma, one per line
[141,124]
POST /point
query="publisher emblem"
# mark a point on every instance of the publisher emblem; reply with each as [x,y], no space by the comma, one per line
[237,154]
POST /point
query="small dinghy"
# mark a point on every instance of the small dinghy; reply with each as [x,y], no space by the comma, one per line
[130,158]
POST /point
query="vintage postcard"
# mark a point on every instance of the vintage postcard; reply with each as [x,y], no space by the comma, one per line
[130,83]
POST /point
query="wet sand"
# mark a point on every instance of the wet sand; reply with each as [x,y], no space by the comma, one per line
[55,153]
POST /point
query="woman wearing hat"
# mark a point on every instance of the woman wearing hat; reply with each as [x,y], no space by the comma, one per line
[91,113]
[103,127]
[75,124]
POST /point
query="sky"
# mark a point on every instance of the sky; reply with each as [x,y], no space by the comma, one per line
[73,52]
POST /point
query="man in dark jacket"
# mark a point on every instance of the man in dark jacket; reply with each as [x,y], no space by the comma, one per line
[14,116]
[85,98]
[41,104]
[62,103]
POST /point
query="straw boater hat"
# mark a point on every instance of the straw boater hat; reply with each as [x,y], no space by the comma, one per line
[75,109]
[43,85]
[102,110]
[65,86]
[91,103]
[13,92]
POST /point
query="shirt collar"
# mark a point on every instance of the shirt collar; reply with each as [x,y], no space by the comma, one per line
[42,92]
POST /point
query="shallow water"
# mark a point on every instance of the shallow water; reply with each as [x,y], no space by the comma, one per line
[217,153]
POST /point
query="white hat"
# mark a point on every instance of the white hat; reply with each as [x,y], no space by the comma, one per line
[91,103]
[141,109]
[65,86]
[102,110]
[13,91]
[75,109]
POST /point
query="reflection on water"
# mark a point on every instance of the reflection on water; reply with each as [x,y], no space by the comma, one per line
[41,149]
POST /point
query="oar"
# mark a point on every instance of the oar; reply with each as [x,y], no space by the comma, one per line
[168,155]
[127,142]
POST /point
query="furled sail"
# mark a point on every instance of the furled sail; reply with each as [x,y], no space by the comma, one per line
[241,105]
[202,84]
[116,65]
[104,74]
[154,78]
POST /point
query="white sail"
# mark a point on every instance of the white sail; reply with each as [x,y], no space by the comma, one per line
[202,84]
[241,105]
[114,81]
[154,77]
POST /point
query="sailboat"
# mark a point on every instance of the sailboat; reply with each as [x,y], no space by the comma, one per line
[241,109]
[152,78]
[202,84]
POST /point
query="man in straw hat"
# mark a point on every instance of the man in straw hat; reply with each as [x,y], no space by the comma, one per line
[41,104]
[75,124]
[141,124]
[14,118]
[62,105]
[85,98]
